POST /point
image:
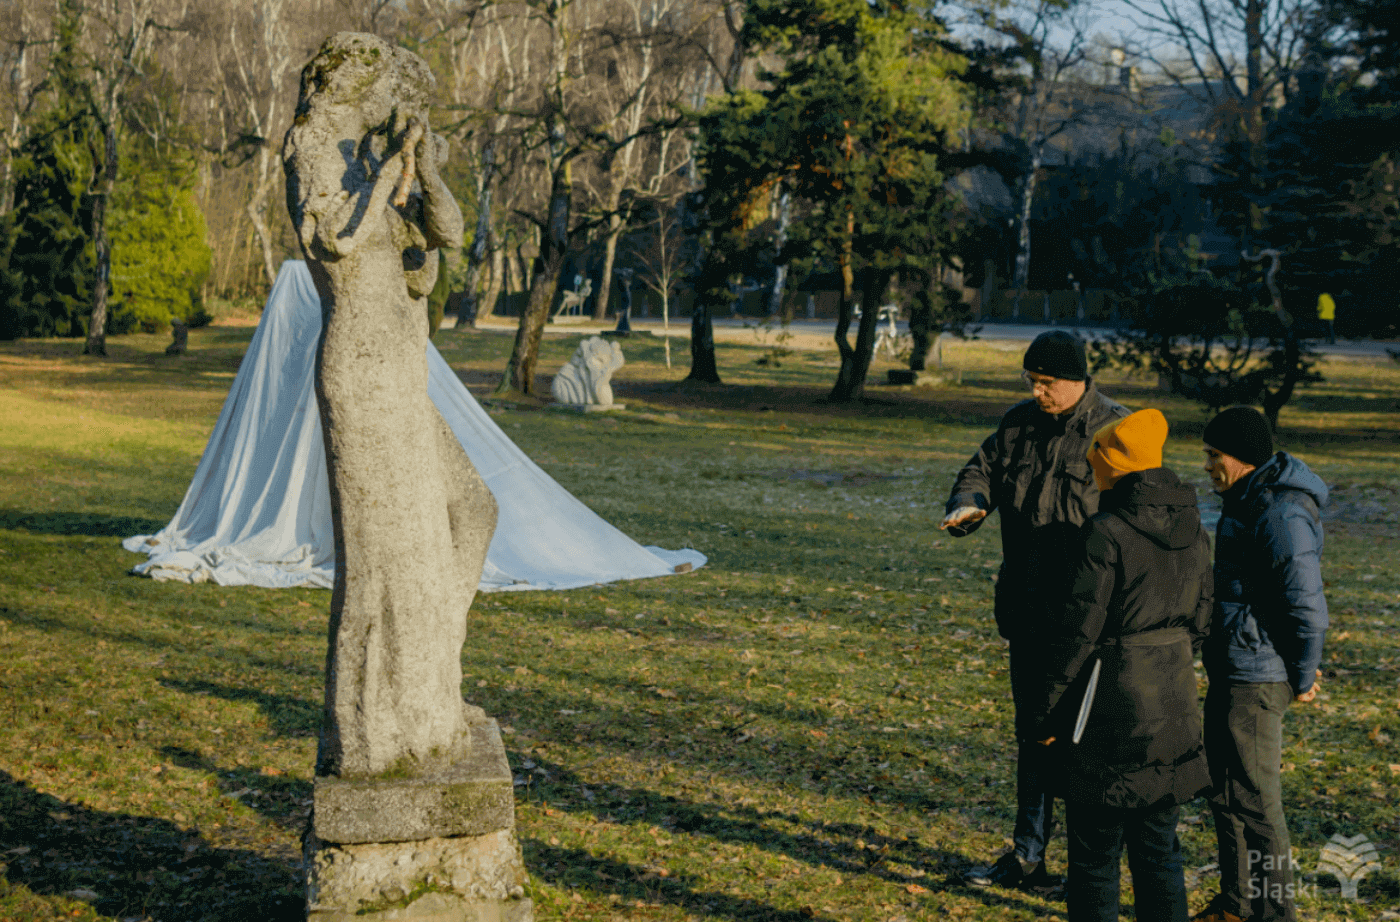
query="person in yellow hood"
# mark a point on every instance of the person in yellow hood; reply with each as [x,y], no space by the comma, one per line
[1118,707]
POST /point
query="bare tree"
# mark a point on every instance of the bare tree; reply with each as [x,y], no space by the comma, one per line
[1238,57]
[662,260]
[1043,110]
[120,34]
[478,43]
[1228,51]
[636,88]
[26,35]
[259,53]
[561,132]
[381,17]
[551,137]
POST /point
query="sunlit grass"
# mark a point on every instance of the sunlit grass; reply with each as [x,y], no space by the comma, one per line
[816,725]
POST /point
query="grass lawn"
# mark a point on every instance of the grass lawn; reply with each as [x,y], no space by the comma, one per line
[816,725]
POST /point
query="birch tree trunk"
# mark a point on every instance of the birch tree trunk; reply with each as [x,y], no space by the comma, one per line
[519,375]
[120,55]
[19,91]
[256,210]
[1021,275]
[471,306]
[260,84]
[775,297]
[497,279]
[97,322]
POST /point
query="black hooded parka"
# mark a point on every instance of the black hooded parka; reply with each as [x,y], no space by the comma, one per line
[1140,604]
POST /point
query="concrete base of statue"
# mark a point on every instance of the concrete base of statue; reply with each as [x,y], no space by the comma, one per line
[435,847]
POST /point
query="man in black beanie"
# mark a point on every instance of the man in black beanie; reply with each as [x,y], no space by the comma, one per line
[1034,470]
[1265,644]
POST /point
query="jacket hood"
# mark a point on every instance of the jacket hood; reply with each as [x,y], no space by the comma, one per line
[1158,504]
[1284,472]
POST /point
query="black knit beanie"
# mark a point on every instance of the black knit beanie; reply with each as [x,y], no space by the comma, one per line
[1243,433]
[1059,355]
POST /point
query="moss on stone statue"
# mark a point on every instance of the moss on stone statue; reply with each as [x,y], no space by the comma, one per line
[420,889]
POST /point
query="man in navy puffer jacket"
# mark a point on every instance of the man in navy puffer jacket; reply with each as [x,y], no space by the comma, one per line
[1263,651]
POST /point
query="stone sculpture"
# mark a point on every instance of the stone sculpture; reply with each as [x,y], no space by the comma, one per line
[571,302]
[585,380]
[402,758]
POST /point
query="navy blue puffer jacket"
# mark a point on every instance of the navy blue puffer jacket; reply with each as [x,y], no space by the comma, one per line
[1270,615]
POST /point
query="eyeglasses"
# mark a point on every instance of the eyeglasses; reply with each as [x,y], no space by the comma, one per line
[1034,384]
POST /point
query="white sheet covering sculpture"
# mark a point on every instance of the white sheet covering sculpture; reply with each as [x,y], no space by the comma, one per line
[258,509]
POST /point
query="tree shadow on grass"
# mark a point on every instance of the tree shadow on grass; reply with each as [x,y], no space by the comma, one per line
[847,848]
[812,401]
[137,866]
[78,523]
[288,716]
[150,641]
[631,884]
[281,799]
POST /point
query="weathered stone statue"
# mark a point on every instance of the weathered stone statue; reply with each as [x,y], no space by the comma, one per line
[402,758]
[586,379]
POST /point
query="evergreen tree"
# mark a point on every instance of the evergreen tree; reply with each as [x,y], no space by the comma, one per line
[853,124]
[47,266]
[160,257]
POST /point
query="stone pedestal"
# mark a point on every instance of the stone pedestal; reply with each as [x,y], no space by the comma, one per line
[437,847]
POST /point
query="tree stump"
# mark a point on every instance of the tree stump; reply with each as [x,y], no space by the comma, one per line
[180,334]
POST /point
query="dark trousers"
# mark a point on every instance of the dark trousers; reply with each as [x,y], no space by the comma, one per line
[1097,835]
[1035,808]
[1244,743]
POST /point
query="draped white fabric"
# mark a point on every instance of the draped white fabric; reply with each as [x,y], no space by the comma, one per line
[258,510]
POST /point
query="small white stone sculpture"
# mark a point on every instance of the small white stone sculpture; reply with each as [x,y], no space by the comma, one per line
[586,379]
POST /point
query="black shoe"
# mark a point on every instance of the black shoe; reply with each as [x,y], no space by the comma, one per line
[1042,883]
[1007,872]
[1220,909]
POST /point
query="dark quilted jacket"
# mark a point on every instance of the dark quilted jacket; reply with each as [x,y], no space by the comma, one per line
[1140,604]
[1034,470]
[1270,612]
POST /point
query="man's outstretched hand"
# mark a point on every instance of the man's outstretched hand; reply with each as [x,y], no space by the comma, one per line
[963,515]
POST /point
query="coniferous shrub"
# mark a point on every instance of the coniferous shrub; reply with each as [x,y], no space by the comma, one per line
[160,256]
[46,254]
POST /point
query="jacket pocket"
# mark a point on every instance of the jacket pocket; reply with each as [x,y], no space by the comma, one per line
[1246,635]
[1079,500]
[1020,474]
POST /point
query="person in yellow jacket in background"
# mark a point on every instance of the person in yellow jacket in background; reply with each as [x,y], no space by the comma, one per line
[1327,313]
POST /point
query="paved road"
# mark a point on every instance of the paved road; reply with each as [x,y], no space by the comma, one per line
[1011,332]
[1023,332]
